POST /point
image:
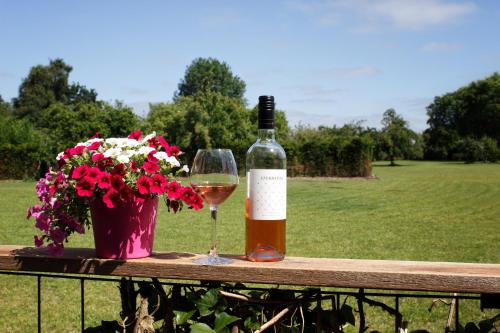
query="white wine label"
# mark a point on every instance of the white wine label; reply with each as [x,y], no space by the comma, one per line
[267,194]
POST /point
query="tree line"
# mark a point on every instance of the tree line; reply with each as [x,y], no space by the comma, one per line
[209,109]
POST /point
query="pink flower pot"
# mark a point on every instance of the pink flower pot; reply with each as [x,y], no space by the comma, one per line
[126,231]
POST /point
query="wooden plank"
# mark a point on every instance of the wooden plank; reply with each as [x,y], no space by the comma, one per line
[349,273]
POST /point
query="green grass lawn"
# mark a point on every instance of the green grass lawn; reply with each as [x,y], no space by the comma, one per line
[417,211]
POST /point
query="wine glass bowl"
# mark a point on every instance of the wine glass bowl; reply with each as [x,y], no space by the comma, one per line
[214,176]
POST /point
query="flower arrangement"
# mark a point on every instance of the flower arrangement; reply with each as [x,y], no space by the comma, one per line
[114,170]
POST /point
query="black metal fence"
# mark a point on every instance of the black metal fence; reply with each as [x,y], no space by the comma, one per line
[454,300]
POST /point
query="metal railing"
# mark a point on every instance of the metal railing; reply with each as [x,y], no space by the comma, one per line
[361,294]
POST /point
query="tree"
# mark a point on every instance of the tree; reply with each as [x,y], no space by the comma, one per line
[204,120]
[5,109]
[46,85]
[470,112]
[210,75]
[396,135]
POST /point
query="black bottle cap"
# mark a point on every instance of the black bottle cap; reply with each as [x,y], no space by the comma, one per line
[266,112]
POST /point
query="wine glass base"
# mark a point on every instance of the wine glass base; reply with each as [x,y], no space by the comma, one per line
[212,261]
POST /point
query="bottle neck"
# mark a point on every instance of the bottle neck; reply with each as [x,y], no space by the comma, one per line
[265,134]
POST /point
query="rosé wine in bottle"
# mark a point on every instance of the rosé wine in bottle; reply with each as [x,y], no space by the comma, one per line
[265,209]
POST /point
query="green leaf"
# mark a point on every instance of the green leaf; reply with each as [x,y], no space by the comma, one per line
[181,317]
[252,323]
[222,320]
[207,302]
[201,328]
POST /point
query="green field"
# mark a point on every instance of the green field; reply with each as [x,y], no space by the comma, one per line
[429,211]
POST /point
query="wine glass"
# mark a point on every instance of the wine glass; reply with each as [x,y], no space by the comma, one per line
[214,177]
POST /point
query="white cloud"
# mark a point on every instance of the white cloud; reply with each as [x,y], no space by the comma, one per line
[370,15]
[440,47]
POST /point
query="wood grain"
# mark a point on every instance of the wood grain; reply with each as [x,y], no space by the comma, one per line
[348,273]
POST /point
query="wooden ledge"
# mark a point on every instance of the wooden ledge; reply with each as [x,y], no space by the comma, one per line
[342,273]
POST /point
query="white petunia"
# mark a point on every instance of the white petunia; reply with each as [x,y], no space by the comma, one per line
[161,155]
[173,161]
[113,152]
[185,168]
[145,150]
[148,137]
[123,158]
[59,156]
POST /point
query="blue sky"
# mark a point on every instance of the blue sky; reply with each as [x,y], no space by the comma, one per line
[326,62]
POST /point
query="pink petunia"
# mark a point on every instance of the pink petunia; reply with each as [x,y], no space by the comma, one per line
[38,241]
[57,235]
[55,249]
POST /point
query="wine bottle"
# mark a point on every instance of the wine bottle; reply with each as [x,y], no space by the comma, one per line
[266,191]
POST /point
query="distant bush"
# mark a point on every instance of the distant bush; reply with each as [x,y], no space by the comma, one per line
[22,149]
[473,150]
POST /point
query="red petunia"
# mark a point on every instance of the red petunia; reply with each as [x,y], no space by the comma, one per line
[85,187]
[78,150]
[96,135]
[119,169]
[79,171]
[163,143]
[157,184]
[174,151]
[94,145]
[188,195]
[136,135]
[174,190]
[97,157]
[150,167]
[93,172]
[104,180]
[174,205]
[151,157]
[196,202]
[143,185]
[117,182]
[153,143]
[111,198]
[133,166]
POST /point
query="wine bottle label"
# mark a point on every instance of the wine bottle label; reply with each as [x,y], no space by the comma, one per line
[267,194]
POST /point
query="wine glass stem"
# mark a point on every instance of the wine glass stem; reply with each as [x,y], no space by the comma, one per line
[213,216]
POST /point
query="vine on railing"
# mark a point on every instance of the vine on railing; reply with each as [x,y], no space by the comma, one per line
[231,308]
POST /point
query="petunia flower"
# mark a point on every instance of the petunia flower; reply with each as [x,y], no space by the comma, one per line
[79,171]
[150,167]
[157,184]
[85,187]
[174,190]
[143,184]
